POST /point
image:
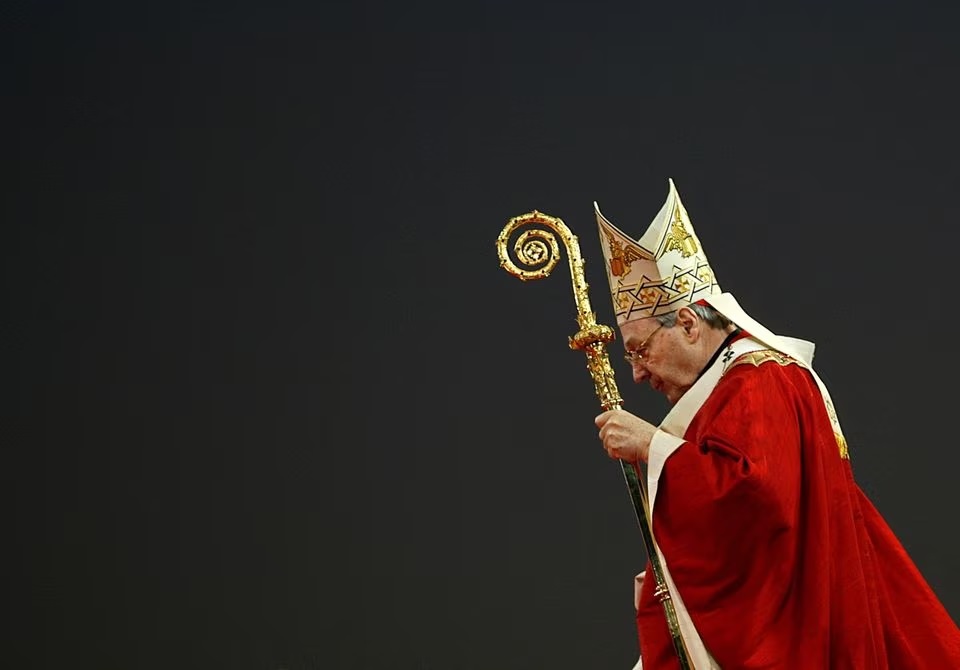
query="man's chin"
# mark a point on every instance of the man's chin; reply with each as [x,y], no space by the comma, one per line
[673,395]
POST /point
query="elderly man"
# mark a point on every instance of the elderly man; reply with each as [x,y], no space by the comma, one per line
[773,555]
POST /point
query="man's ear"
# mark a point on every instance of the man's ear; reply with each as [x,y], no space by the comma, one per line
[687,319]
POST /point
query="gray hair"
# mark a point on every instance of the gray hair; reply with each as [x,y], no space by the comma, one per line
[712,317]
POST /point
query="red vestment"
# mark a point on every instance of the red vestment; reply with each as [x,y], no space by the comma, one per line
[779,557]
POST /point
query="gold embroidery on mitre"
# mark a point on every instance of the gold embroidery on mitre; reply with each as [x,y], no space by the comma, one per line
[652,296]
[755,358]
[622,256]
[693,280]
[644,297]
[678,239]
[649,295]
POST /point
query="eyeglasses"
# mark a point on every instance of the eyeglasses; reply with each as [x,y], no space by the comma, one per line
[636,355]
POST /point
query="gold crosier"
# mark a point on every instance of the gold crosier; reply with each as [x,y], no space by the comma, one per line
[537,248]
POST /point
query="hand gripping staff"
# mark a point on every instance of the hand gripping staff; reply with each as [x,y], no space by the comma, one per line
[537,248]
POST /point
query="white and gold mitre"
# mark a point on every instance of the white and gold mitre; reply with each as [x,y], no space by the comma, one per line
[662,271]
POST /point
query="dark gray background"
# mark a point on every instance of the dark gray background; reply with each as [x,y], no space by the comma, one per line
[276,406]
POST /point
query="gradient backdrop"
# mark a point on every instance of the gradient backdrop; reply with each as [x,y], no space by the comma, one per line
[276,407]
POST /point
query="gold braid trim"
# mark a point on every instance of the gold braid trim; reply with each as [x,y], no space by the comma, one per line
[757,358]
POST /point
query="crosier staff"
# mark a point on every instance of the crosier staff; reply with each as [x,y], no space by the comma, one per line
[537,248]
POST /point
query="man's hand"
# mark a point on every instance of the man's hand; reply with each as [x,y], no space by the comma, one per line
[625,436]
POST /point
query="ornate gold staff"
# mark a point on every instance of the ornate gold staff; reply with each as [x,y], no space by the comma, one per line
[537,248]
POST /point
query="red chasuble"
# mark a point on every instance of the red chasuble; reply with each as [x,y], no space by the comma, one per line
[780,558]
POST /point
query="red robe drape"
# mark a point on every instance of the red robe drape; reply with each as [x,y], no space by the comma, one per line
[780,558]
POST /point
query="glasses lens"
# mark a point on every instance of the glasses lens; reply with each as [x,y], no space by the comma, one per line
[635,356]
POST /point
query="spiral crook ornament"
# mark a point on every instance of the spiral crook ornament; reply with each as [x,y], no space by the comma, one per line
[536,248]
